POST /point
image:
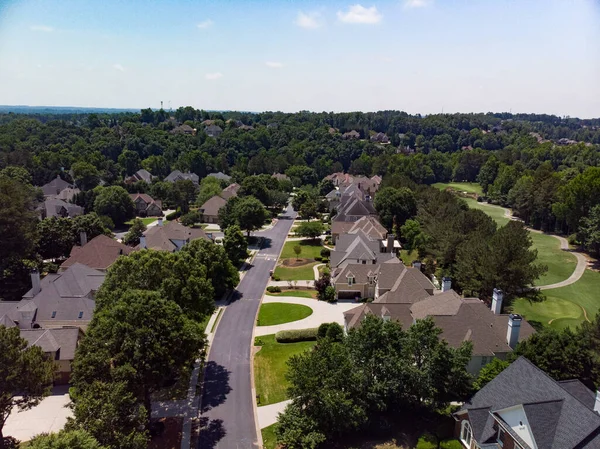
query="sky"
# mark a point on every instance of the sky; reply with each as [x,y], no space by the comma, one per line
[420,56]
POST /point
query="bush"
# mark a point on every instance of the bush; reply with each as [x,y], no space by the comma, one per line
[11,443]
[190,218]
[293,336]
[325,253]
[173,215]
[325,260]
[322,330]
[329,295]
[273,289]
[573,240]
[275,277]
[318,258]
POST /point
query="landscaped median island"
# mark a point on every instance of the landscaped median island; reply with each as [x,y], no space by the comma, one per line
[295,293]
[298,266]
[270,366]
[273,313]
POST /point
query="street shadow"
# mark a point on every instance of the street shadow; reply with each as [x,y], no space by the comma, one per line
[215,386]
[235,296]
[211,432]
[266,243]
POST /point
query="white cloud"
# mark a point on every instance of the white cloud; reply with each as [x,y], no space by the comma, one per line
[43,28]
[310,20]
[417,3]
[274,65]
[213,76]
[119,67]
[207,23]
[359,14]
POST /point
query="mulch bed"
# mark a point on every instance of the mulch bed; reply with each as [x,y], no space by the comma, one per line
[171,437]
[293,263]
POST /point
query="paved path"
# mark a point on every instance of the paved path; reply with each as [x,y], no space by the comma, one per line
[227,408]
[316,270]
[582,262]
[267,414]
[323,312]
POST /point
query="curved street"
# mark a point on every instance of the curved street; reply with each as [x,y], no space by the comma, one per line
[227,408]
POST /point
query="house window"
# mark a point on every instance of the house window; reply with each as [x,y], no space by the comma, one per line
[80,315]
[350,280]
[371,280]
[53,314]
[484,361]
[500,439]
[466,433]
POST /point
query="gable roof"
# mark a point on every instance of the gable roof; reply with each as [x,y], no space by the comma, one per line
[55,186]
[52,340]
[54,207]
[176,175]
[161,237]
[99,253]
[370,226]
[557,419]
[213,205]
[145,198]
[397,312]
[220,175]
[141,175]
[230,190]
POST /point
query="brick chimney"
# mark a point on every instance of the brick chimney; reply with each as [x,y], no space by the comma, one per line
[35,282]
[390,243]
[446,283]
[82,238]
[514,326]
[497,298]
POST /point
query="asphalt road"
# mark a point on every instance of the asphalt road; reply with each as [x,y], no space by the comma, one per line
[227,413]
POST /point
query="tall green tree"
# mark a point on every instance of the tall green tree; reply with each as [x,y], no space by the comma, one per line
[250,214]
[395,206]
[589,231]
[209,187]
[235,244]
[114,202]
[74,439]
[56,237]
[26,375]
[85,175]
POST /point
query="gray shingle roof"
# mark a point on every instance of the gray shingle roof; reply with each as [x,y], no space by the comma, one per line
[220,175]
[99,253]
[213,205]
[558,420]
[161,237]
[54,207]
[52,340]
[176,175]
[55,186]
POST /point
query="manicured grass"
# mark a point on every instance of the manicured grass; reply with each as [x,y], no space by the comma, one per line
[427,443]
[496,212]
[212,329]
[268,437]
[310,249]
[561,264]
[146,221]
[562,307]
[270,367]
[296,293]
[469,187]
[273,313]
[303,273]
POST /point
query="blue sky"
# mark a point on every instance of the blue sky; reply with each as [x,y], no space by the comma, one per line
[421,56]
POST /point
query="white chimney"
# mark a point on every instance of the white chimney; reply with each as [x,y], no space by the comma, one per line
[417,264]
[514,326]
[143,241]
[497,298]
[446,283]
[597,403]
[160,221]
[35,282]
[82,238]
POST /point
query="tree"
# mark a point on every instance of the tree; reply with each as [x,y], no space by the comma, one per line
[297,250]
[16,173]
[256,186]
[85,175]
[26,375]
[329,294]
[227,216]
[18,237]
[191,218]
[56,237]
[489,372]
[395,206]
[114,202]
[65,439]
[235,245]
[311,230]
[183,194]
[130,161]
[589,231]
[250,214]
[91,224]
[578,196]
[487,174]
[414,237]
[321,285]
[309,209]
[209,187]
[135,232]
[143,338]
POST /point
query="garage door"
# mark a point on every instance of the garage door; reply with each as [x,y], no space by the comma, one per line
[348,294]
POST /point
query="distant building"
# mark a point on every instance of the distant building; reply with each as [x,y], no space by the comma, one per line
[58,208]
[176,175]
[140,175]
[184,129]
[146,206]
[230,190]
[220,175]
[213,131]
[280,177]
[380,138]
[99,253]
[210,209]
[54,187]
[170,237]
[351,135]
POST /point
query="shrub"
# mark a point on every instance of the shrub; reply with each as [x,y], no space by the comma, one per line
[335,332]
[11,443]
[573,240]
[322,330]
[276,277]
[325,253]
[190,218]
[318,258]
[273,289]
[293,336]
[173,215]
[329,295]
[325,260]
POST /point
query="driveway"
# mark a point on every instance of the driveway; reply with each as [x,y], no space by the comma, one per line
[323,312]
[227,407]
[50,415]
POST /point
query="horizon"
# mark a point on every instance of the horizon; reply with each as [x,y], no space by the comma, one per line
[419,56]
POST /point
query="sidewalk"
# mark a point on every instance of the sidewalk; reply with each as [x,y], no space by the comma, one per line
[267,414]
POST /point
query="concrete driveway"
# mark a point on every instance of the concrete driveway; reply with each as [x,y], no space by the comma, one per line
[49,416]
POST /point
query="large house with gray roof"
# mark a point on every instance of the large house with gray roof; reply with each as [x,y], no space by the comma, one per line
[53,207]
[170,237]
[524,408]
[99,253]
[55,187]
[177,175]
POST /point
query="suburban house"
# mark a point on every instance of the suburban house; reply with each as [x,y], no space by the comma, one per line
[351,135]
[358,248]
[67,194]
[54,187]
[176,175]
[340,179]
[210,209]
[369,224]
[140,175]
[280,177]
[351,209]
[59,345]
[184,129]
[146,206]
[246,127]
[58,300]
[404,294]
[221,176]
[99,253]
[213,130]
[52,207]
[170,237]
[380,138]
[230,190]
[524,408]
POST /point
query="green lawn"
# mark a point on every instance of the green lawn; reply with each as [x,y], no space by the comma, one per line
[496,212]
[428,443]
[310,249]
[270,367]
[268,437]
[273,313]
[296,293]
[146,221]
[563,306]
[469,187]
[303,273]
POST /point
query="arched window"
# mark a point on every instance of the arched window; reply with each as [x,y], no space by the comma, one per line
[466,433]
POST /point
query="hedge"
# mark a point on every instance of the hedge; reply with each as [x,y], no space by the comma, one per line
[173,215]
[273,289]
[293,336]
